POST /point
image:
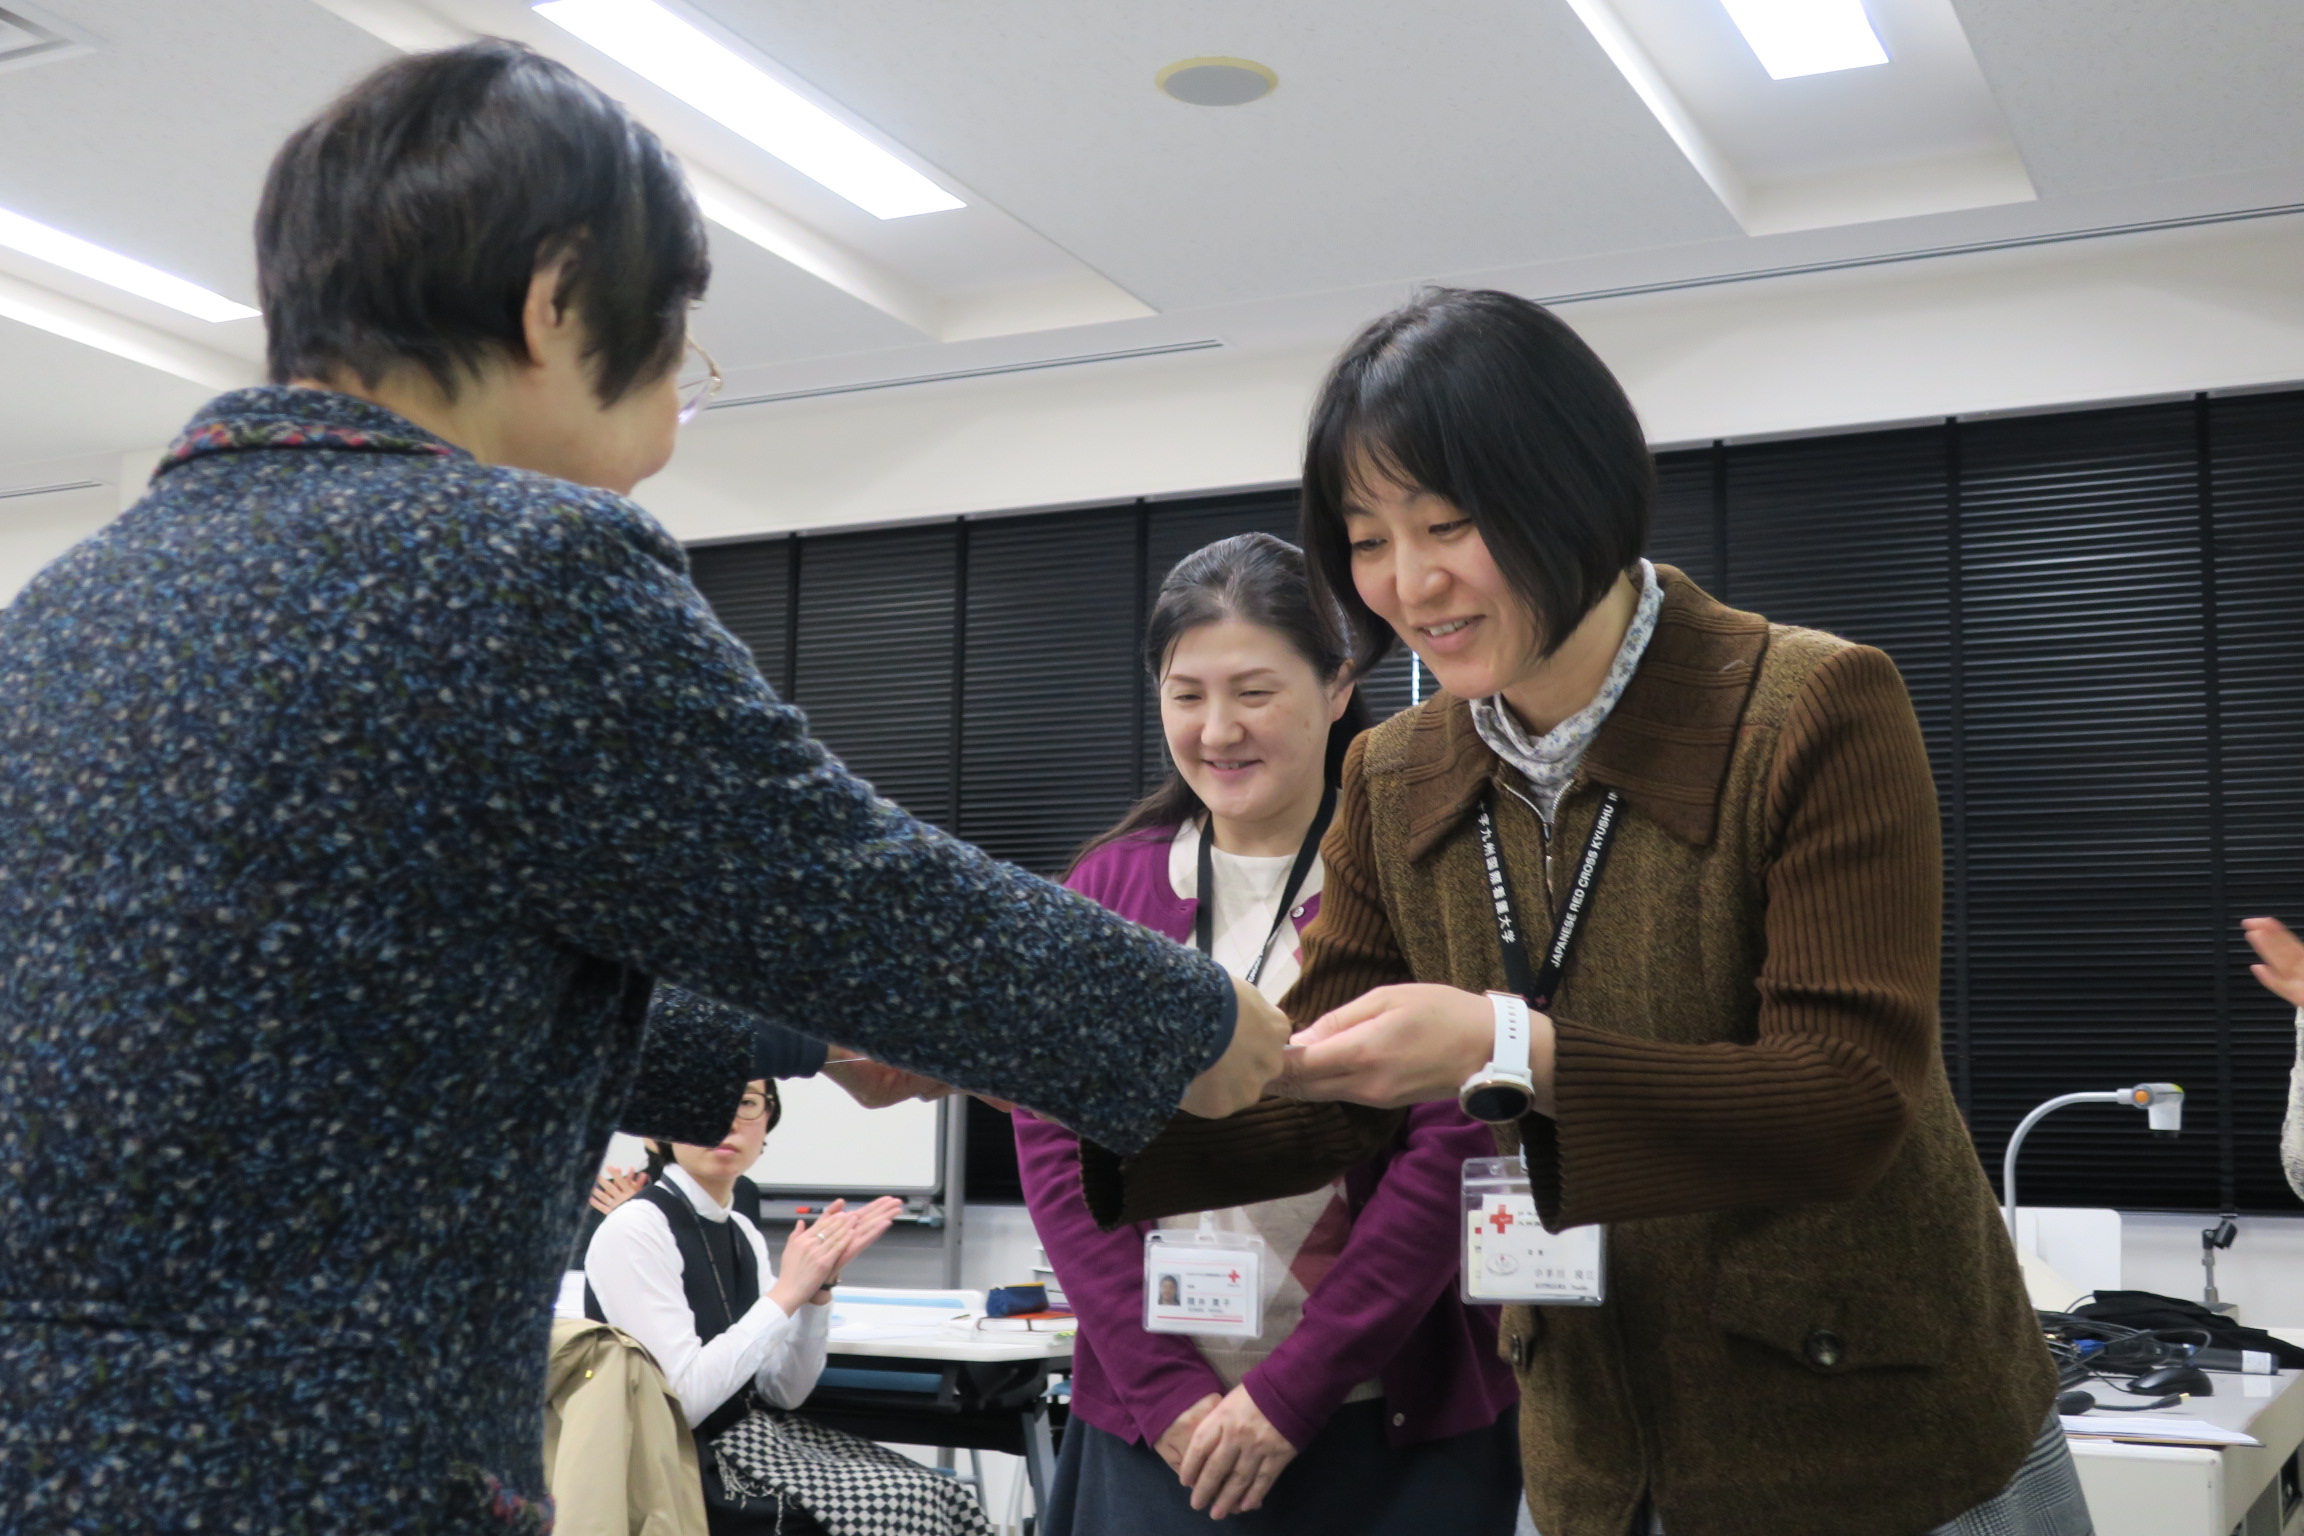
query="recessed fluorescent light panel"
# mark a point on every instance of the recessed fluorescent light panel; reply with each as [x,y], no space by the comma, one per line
[1807,37]
[73,254]
[653,43]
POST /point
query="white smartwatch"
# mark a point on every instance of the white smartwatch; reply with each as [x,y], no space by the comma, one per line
[1504,1090]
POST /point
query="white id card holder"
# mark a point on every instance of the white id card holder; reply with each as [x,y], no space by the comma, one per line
[1205,1282]
[1508,1256]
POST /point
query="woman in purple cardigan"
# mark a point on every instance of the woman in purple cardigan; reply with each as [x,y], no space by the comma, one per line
[1372,1400]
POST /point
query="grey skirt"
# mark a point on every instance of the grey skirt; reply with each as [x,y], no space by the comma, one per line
[1348,1479]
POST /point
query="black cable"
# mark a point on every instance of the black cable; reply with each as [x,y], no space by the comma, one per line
[2074,1404]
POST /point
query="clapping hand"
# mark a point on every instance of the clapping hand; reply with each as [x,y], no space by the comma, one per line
[2280,957]
[815,1255]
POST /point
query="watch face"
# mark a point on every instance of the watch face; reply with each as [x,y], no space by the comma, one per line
[1496,1103]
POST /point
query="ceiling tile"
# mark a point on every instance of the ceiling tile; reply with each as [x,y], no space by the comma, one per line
[2115,93]
[156,143]
[60,400]
[1401,142]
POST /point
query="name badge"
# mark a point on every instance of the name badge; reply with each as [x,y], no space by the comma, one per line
[1509,1257]
[1204,1282]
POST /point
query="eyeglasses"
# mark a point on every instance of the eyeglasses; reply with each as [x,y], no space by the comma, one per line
[699,382]
[753,1106]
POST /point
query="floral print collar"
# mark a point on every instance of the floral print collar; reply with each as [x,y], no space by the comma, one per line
[285,416]
[1548,762]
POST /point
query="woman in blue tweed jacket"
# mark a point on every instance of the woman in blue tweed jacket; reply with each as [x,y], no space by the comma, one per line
[355,786]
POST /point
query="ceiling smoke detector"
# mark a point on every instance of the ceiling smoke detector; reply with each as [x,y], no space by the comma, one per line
[1216,82]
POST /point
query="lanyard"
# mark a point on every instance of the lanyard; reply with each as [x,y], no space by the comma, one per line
[1539,988]
[1204,921]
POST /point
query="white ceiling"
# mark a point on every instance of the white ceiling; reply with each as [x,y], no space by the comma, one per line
[1488,140]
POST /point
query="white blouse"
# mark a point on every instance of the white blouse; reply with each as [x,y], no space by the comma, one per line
[1247,889]
[634,1267]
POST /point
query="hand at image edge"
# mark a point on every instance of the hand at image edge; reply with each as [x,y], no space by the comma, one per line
[1249,1064]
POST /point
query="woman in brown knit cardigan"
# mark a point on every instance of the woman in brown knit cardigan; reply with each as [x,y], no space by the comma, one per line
[1813,1322]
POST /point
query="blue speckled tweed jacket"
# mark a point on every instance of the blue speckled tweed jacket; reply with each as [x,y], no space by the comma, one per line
[351,792]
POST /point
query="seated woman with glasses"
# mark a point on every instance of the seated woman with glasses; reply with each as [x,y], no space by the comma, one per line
[742,1342]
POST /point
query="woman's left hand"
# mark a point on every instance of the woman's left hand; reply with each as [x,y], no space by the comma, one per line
[1403,1045]
[1234,1457]
[871,1222]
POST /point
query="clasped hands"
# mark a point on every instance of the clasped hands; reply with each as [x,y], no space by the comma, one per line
[1226,1452]
[1400,1045]
[1394,1046]
[1408,1044]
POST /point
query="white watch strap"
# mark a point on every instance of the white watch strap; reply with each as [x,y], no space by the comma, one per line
[1510,1058]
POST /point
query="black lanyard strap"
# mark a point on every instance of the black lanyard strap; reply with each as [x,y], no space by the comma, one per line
[1539,988]
[1204,921]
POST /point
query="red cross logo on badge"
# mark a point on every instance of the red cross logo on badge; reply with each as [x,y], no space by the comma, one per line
[1502,1219]
[1235,1277]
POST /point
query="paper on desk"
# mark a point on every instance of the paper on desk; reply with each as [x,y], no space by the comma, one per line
[866,1324]
[2144,1426]
[873,1333]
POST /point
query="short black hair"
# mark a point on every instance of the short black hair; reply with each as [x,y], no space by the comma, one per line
[405,223]
[1493,403]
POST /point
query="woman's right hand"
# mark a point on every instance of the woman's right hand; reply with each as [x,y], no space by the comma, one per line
[1249,1063]
[2280,957]
[1177,1438]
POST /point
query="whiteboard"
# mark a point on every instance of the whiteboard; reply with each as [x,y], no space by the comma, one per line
[828,1144]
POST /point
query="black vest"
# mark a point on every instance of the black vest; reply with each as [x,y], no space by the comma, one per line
[720,1275]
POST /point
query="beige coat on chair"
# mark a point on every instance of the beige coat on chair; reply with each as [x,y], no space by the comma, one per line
[617,1452]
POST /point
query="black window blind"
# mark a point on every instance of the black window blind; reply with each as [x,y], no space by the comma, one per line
[2094,614]
[874,666]
[749,586]
[2090,931]
[1686,527]
[1050,716]
[2254,509]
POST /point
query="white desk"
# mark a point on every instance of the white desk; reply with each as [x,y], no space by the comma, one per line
[983,1391]
[2173,1490]
[1056,1349]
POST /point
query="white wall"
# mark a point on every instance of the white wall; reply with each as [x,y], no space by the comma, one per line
[36,529]
[2114,319]
[2263,1270]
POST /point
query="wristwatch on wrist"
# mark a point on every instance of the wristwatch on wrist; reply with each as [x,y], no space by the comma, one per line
[1502,1091]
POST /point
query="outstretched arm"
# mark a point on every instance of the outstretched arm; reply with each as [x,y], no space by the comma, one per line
[636,790]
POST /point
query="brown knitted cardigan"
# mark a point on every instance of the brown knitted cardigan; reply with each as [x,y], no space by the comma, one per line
[1814,1324]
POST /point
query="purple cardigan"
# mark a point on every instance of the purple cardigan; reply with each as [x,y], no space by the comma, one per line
[1388,1309]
